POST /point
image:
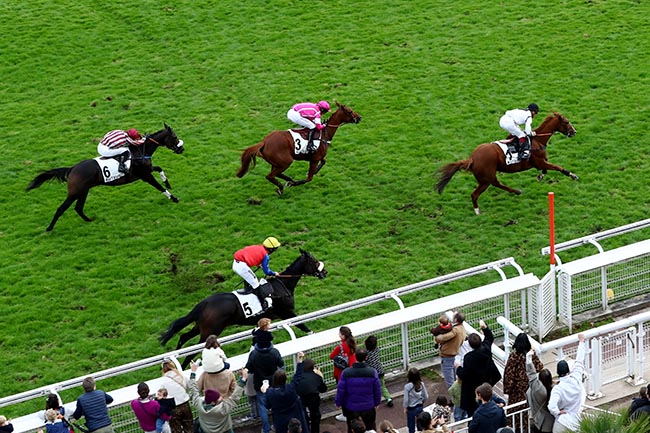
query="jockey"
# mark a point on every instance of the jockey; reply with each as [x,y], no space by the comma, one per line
[114,142]
[511,120]
[308,115]
[256,255]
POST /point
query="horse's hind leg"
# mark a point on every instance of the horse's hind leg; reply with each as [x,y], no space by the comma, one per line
[64,206]
[271,177]
[79,207]
[498,184]
[476,194]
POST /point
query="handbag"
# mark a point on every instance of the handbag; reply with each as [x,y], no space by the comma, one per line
[341,360]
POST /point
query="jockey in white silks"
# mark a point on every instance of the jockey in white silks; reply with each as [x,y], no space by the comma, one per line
[511,120]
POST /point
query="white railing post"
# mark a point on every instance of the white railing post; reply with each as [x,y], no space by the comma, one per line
[596,356]
[630,354]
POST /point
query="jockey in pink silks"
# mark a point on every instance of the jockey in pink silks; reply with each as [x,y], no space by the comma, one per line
[114,142]
[308,115]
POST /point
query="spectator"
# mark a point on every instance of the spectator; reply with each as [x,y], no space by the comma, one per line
[347,348]
[441,411]
[515,378]
[283,400]
[444,326]
[309,389]
[222,380]
[359,392]
[261,334]
[449,344]
[263,361]
[93,405]
[5,425]
[214,410]
[386,427]
[146,409]
[415,394]
[425,422]
[182,420]
[213,357]
[53,401]
[55,422]
[478,367]
[374,361]
[167,405]
[251,397]
[639,401]
[539,391]
[359,427]
[488,417]
[568,396]
[295,426]
[454,395]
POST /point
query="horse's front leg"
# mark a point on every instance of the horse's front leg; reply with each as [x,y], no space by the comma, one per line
[313,169]
[320,165]
[153,182]
[163,177]
[544,165]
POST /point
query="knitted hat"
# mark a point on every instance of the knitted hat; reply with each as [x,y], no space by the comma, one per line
[211,396]
[562,368]
[263,339]
[212,361]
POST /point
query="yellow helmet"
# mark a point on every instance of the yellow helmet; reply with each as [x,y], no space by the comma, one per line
[271,242]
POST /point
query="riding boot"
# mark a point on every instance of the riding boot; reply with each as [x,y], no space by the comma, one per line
[525,149]
[310,141]
[262,298]
[121,159]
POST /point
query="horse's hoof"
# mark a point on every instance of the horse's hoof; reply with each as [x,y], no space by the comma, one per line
[574,176]
[540,177]
[518,192]
[279,191]
[477,211]
[174,199]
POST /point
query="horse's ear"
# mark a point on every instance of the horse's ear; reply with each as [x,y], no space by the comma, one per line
[303,252]
[337,104]
[166,125]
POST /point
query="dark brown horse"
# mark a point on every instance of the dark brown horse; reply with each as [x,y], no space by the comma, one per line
[88,174]
[220,310]
[488,158]
[279,150]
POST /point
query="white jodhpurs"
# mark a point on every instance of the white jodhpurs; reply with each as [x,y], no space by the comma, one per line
[511,126]
[295,117]
[244,271]
[108,152]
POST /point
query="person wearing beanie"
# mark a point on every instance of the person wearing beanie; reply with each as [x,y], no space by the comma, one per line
[568,396]
[214,410]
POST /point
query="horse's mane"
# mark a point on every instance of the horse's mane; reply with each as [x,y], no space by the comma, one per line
[553,115]
[295,264]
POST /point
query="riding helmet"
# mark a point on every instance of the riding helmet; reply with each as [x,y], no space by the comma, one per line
[324,105]
[271,242]
[533,107]
[133,133]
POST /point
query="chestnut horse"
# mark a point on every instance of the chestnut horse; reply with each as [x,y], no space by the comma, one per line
[87,174]
[278,149]
[488,158]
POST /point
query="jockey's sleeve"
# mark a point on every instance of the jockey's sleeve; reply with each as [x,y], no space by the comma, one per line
[265,266]
[529,124]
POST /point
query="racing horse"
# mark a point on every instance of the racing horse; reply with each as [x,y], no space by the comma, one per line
[88,174]
[279,149]
[488,158]
[220,310]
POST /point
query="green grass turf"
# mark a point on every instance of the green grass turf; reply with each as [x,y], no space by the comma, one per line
[430,79]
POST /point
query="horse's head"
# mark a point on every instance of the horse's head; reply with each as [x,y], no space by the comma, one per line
[565,127]
[312,266]
[167,138]
[347,115]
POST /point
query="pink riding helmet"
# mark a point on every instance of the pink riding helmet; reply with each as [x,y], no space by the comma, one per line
[324,105]
[133,133]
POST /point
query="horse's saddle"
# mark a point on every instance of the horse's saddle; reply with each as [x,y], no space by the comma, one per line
[301,139]
[266,289]
[109,168]
[510,150]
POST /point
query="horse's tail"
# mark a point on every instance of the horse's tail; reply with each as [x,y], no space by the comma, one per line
[248,156]
[178,324]
[448,171]
[60,174]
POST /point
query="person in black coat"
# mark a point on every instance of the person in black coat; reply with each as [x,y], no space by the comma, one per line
[478,368]
[309,389]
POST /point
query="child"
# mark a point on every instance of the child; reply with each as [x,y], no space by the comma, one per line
[213,356]
[441,411]
[454,393]
[165,412]
[5,425]
[261,334]
[443,327]
[251,396]
[55,423]
[415,394]
[374,360]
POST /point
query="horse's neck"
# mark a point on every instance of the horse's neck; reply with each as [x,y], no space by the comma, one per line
[335,122]
[293,274]
[546,130]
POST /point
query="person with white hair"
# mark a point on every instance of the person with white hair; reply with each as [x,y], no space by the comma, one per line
[568,396]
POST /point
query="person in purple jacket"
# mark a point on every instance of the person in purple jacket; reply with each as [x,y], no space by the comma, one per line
[308,114]
[358,392]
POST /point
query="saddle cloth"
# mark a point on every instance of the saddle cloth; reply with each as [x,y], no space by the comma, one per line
[510,151]
[300,142]
[108,167]
[249,302]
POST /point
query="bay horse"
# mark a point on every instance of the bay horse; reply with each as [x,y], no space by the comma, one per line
[220,310]
[88,174]
[279,150]
[488,159]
